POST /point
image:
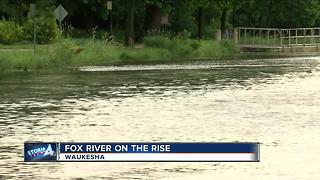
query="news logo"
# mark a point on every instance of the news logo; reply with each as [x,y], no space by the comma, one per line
[40,152]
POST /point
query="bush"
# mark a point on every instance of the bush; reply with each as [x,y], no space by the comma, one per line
[10,32]
[61,54]
[209,48]
[136,55]
[47,30]
[158,42]
[229,47]
[178,47]
[96,51]
[181,48]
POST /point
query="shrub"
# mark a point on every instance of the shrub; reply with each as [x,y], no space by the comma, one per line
[97,51]
[47,30]
[229,47]
[208,49]
[60,54]
[158,42]
[194,44]
[10,32]
[178,47]
[181,48]
[133,55]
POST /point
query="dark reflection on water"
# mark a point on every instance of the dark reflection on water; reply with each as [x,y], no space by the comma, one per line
[200,101]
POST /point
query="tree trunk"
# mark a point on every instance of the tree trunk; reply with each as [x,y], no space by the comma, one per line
[152,22]
[223,22]
[269,13]
[200,22]
[130,23]
[233,18]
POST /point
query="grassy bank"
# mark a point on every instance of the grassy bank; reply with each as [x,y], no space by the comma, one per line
[78,52]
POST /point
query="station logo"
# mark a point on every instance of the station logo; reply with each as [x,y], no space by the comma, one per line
[37,152]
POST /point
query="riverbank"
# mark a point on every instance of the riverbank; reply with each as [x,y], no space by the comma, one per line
[72,53]
[80,52]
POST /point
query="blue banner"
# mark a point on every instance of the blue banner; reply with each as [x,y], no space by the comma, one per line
[158,147]
[141,152]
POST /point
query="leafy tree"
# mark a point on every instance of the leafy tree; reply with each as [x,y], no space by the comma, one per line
[132,19]
[279,14]
[199,6]
[226,7]
[130,22]
[154,10]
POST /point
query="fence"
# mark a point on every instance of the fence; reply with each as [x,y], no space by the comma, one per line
[279,37]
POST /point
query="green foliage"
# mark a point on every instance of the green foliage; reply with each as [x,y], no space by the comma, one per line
[61,53]
[184,47]
[10,32]
[143,55]
[183,14]
[215,48]
[208,49]
[47,30]
[182,18]
[279,14]
[178,47]
[71,53]
[96,52]
[158,42]
[16,60]
[228,47]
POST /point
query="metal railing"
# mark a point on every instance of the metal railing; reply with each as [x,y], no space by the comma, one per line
[279,37]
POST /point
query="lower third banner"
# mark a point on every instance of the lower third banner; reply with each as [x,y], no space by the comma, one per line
[142,152]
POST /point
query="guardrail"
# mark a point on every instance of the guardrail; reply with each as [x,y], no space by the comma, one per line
[279,37]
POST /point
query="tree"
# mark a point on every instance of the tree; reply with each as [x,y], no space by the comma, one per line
[226,6]
[182,17]
[129,27]
[154,11]
[152,21]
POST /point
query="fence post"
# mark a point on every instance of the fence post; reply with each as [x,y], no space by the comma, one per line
[235,35]
[280,35]
[259,35]
[317,37]
[218,35]
[245,35]
[239,37]
[312,36]
[296,36]
[304,37]
[274,36]
[289,38]
[253,36]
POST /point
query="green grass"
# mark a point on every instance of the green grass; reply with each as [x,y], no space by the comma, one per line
[19,46]
[78,52]
[188,48]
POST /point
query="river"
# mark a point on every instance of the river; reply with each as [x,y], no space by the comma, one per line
[272,101]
